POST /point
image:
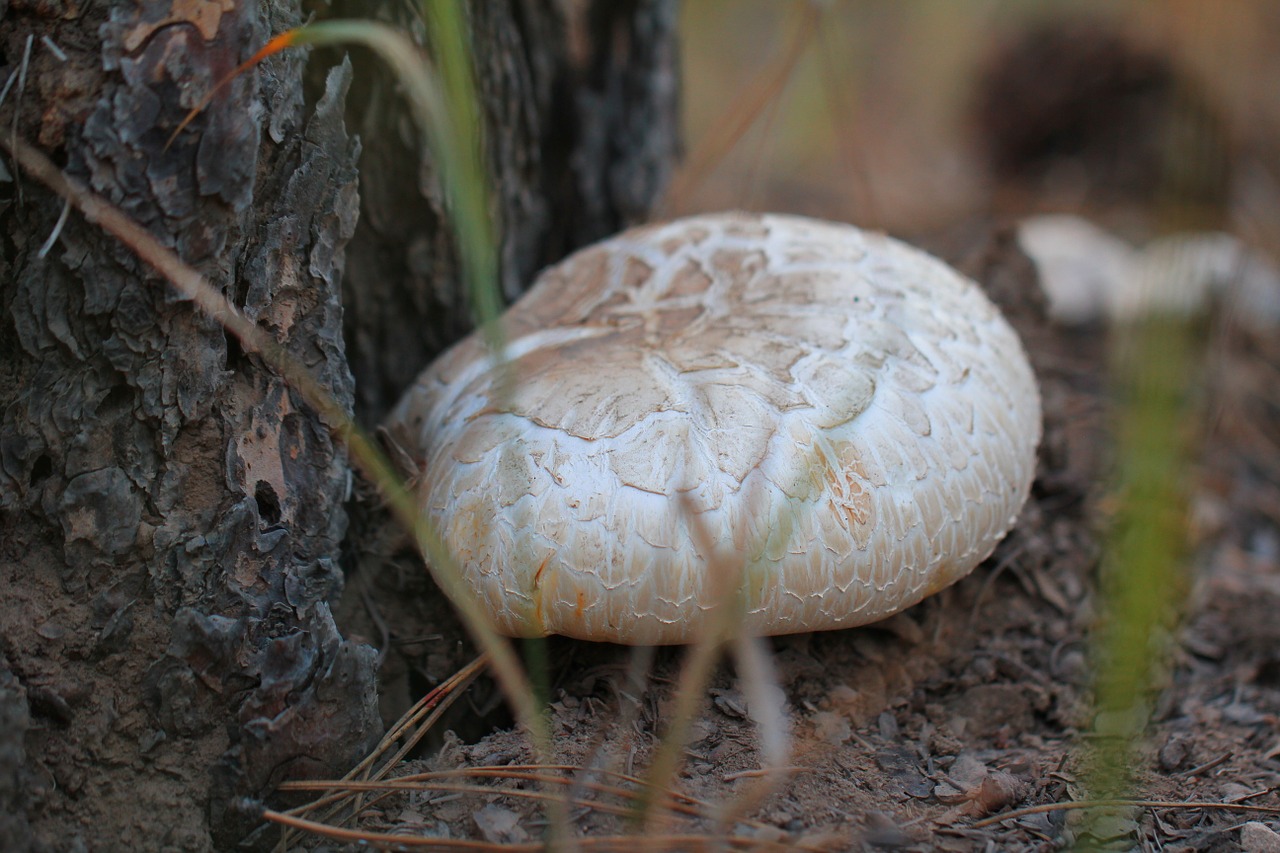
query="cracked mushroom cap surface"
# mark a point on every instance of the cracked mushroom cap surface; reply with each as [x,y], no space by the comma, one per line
[847,420]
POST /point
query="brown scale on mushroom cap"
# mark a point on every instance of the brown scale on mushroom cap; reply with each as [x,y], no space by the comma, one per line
[851,421]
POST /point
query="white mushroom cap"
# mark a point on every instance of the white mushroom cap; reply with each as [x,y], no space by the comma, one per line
[852,421]
[1081,266]
[1180,273]
[1089,274]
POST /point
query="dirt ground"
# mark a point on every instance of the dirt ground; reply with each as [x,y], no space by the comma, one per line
[975,702]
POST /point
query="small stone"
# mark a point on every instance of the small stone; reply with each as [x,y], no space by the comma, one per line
[1173,754]
[900,763]
[1234,792]
[730,703]
[884,831]
[987,708]
[1259,838]
[967,772]
[997,792]
[1072,667]
[51,631]
[831,727]
[499,825]
[1243,714]
[767,834]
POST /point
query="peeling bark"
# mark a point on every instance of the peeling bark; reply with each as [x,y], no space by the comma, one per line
[171,513]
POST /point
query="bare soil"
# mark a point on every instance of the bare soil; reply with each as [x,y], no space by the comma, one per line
[973,703]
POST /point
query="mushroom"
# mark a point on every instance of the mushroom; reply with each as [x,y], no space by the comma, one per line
[1089,274]
[851,421]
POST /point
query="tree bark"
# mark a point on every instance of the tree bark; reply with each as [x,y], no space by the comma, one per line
[172,515]
[582,103]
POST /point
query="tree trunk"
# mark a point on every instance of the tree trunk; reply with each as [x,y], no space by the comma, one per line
[171,514]
[583,112]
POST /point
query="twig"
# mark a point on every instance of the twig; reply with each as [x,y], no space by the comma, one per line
[601,843]
[431,706]
[371,607]
[397,786]
[1114,804]
[763,771]
[681,804]
[22,88]
[58,53]
[57,229]
[1208,765]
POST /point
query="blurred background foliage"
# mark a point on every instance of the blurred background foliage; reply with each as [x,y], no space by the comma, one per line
[907,115]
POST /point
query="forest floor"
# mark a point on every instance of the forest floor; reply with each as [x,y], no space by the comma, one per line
[975,702]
